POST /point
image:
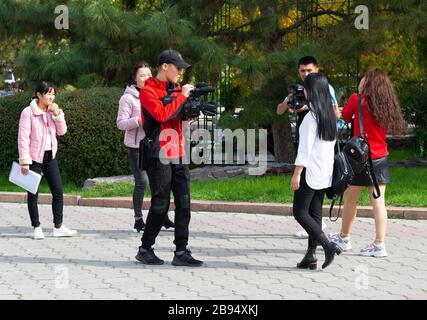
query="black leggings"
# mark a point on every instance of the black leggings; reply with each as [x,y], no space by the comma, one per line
[50,170]
[307,209]
[141,181]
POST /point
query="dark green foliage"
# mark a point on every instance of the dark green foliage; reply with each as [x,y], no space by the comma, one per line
[92,147]
[90,80]
[413,97]
[106,38]
[10,111]
[269,78]
[259,44]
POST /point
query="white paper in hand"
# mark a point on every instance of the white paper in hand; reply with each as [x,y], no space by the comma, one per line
[29,182]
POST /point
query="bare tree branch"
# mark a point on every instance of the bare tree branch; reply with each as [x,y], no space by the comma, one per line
[226,32]
[281,33]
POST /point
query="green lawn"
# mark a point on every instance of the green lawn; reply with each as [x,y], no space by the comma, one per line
[404,153]
[408,188]
[5,185]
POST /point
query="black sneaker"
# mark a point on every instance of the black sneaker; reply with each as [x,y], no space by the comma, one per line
[168,225]
[139,225]
[186,260]
[148,257]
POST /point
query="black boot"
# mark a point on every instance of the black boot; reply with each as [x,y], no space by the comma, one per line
[139,225]
[330,248]
[309,261]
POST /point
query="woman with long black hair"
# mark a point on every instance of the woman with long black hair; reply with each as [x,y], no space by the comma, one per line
[313,168]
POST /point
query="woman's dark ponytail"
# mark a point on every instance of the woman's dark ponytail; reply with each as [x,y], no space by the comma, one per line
[43,87]
[319,96]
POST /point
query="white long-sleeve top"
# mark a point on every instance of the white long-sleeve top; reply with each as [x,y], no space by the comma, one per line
[315,154]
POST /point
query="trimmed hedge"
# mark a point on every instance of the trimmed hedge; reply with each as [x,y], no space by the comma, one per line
[413,97]
[92,146]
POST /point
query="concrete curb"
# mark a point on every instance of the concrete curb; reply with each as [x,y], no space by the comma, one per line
[214,206]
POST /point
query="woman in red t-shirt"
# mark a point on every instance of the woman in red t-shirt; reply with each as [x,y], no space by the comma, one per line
[381,114]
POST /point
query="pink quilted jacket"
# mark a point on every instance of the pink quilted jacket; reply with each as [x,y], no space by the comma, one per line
[32,133]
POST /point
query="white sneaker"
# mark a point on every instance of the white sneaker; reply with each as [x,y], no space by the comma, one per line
[38,233]
[343,243]
[302,234]
[63,231]
[374,250]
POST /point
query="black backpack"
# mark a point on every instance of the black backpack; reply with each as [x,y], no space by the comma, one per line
[352,160]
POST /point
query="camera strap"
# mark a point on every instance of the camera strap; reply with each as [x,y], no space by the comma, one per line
[370,166]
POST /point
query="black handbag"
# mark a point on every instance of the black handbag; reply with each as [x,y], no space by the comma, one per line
[144,146]
[149,147]
[352,160]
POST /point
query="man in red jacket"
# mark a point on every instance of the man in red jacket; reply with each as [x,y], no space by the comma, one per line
[161,104]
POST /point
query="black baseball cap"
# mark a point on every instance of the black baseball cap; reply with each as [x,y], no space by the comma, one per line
[174,57]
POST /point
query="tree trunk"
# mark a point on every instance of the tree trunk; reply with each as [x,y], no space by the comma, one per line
[282,132]
[283,143]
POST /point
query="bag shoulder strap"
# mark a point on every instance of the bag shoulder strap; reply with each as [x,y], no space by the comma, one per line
[332,207]
[359,103]
[377,193]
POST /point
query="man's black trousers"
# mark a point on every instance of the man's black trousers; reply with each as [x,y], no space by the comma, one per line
[163,179]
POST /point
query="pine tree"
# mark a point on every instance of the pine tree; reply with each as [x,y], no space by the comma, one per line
[261,45]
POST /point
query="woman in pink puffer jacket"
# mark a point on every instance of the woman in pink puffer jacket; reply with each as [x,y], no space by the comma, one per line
[39,125]
[129,120]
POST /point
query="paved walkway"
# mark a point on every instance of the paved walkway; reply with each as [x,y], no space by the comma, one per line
[248,256]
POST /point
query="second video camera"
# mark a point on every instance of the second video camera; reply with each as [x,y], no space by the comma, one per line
[297,97]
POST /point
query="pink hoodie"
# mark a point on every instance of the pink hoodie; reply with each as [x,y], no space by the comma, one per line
[32,133]
[128,115]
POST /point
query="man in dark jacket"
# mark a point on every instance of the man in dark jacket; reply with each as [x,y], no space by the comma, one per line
[163,159]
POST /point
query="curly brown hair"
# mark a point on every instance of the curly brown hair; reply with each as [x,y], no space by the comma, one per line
[382,101]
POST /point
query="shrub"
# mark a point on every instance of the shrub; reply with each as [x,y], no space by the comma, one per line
[413,97]
[90,80]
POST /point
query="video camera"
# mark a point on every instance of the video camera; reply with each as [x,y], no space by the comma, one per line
[297,97]
[192,106]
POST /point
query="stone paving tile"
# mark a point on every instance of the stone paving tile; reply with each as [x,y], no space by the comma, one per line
[247,256]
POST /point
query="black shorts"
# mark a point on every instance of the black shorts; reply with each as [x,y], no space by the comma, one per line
[381,170]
